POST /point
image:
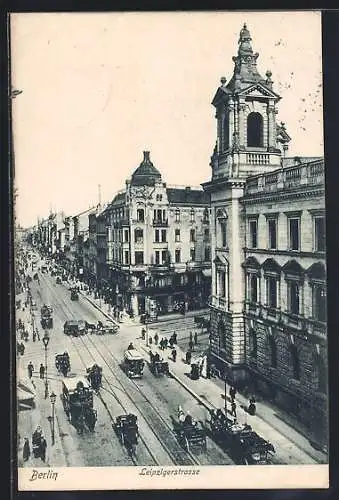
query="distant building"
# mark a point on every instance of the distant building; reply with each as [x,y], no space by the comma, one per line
[158,244]
[268,305]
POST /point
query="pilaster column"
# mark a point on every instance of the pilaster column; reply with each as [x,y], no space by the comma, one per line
[270,124]
[241,124]
[231,121]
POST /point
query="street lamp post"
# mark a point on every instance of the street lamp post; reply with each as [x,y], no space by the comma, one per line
[45,341]
[53,400]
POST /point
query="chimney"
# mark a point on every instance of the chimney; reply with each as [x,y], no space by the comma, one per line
[188,188]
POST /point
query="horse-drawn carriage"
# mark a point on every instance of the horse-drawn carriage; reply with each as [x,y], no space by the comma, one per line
[62,363]
[126,428]
[158,365]
[74,294]
[190,432]
[94,376]
[102,329]
[244,445]
[77,400]
[46,317]
[133,363]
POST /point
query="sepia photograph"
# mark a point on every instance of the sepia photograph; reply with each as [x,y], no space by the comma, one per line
[170,250]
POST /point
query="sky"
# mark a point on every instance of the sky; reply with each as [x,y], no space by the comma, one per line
[99,89]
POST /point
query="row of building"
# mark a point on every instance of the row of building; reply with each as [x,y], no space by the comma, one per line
[251,245]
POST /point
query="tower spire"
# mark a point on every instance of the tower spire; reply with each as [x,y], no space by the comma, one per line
[245,63]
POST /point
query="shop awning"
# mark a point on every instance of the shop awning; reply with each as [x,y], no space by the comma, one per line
[207,273]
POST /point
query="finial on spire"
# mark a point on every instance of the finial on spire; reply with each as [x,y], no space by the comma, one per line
[223,81]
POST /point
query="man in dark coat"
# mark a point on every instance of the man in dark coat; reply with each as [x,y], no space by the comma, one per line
[26,452]
[30,369]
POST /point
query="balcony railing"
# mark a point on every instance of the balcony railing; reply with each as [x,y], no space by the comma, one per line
[299,176]
[160,222]
[220,302]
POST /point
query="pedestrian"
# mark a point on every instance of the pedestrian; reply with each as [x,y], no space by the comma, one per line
[191,345]
[171,342]
[174,354]
[150,341]
[42,371]
[188,357]
[162,344]
[26,452]
[43,446]
[156,339]
[232,392]
[234,409]
[165,342]
[30,369]
[143,333]
[34,336]
[174,336]
[191,337]
[195,337]
[37,334]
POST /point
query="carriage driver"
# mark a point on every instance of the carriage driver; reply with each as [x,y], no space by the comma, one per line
[130,347]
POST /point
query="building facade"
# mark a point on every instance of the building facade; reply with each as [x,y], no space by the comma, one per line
[268,305]
[158,244]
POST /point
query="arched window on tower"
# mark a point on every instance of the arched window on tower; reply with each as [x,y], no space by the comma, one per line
[255,132]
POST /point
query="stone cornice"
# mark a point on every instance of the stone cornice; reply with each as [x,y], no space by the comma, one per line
[261,197]
[290,253]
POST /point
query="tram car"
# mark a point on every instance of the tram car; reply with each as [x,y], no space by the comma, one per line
[94,376]
[102,329]
[133,363]
[77,400]
[126,428]
[190,433]
[158,365]
[46,317]
[245,446]
[62,363]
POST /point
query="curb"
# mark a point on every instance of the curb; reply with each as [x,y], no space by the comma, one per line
[100,309]
[203,402]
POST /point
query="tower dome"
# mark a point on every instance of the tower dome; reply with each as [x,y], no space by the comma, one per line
[146,174]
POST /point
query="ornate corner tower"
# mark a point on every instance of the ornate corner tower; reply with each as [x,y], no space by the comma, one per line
[249,142]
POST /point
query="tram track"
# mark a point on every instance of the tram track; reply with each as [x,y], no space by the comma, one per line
[160,428]
[65,309]
[165,437]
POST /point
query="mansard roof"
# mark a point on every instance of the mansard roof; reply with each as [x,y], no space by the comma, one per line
[187,196]
[119,199]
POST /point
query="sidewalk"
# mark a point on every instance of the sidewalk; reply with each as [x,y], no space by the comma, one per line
[35,411]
